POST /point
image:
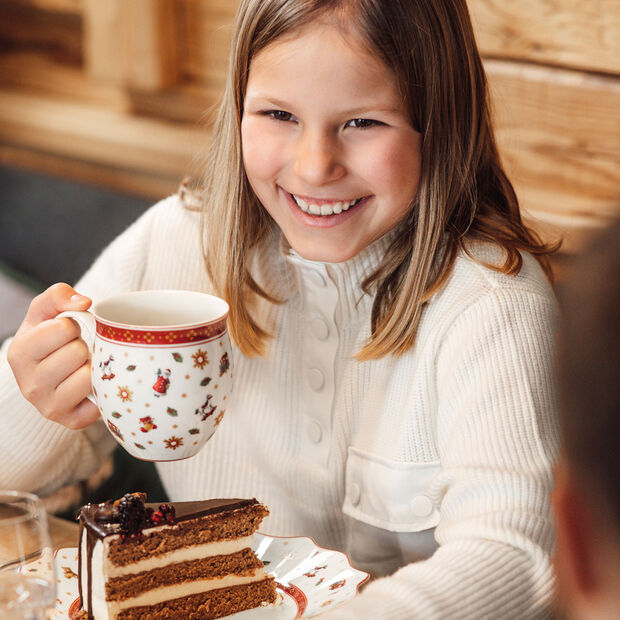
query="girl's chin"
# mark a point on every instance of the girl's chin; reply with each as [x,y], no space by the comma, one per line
[323,253]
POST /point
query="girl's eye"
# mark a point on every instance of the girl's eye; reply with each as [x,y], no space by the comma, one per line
[363,123]
[279,115]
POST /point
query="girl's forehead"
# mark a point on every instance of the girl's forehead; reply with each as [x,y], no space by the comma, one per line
[326,27]
[315,49]
[321,72]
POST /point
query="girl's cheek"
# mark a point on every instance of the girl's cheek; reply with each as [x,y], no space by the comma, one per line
[395,163]
[262,150]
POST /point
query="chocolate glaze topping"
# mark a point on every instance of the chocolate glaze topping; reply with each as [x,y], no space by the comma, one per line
[101,521]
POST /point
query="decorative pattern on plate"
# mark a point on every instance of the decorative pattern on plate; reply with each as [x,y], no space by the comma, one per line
[311,579]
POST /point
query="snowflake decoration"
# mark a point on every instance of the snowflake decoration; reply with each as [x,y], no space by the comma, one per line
[173,442]
[200,359]
[124,393]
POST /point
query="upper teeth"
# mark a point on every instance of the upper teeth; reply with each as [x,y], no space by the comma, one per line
[324,209]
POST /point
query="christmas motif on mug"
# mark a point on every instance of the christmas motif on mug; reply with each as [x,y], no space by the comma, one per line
[161,385]
[115,430]
[224,364]
[200,358]
[206,409]
[147,424]
[173,442]
[337,584]
[124,393]
[106,369]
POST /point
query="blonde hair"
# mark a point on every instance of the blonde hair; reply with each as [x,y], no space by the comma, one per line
[463,194]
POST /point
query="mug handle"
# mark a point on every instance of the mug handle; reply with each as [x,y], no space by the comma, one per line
[88,328]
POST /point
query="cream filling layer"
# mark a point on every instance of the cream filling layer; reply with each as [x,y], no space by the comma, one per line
[153,597]
[101,609]
[223,547]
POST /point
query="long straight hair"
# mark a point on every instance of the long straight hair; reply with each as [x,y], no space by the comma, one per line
[463,194]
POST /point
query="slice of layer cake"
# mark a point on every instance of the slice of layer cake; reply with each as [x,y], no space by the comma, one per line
[181,560]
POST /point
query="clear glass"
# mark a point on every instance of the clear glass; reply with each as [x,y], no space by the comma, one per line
[27,579]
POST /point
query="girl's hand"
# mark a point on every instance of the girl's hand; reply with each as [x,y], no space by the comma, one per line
[51,362]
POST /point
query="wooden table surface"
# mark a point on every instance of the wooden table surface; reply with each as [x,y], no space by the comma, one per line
[64,533]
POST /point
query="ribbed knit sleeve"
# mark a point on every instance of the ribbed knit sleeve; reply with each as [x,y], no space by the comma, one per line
[38,455]
[497,439]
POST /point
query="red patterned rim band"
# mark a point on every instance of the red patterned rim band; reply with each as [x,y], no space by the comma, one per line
[158,337]
[298,595]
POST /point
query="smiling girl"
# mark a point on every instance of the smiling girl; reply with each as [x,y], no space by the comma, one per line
[392,320]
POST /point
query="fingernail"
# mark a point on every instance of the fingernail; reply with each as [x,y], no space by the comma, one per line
[78,298]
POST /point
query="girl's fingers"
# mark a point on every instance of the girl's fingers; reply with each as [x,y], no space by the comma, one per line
[46,338]
[49,360]
[70,407]
[83,415]
[62,363]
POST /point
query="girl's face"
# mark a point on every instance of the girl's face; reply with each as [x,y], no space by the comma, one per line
[327,143]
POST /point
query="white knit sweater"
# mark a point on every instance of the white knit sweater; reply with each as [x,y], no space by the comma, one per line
[436,465]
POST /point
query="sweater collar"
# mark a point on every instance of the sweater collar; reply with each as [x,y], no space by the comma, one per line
[346,276]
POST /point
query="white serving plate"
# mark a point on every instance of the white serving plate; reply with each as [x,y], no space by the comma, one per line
[310,579]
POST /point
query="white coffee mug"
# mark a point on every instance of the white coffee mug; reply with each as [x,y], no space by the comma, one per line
[160,368]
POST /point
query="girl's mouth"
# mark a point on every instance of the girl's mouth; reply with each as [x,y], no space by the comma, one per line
[323,207]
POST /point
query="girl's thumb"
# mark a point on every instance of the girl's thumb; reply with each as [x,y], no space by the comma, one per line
[53,301]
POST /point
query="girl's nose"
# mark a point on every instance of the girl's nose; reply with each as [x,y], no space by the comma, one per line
[317,159]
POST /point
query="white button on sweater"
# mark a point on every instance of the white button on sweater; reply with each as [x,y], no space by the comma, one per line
[465,420]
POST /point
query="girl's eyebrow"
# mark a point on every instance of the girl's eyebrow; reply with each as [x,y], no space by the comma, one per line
[379,107]
[365,109]
[276,103]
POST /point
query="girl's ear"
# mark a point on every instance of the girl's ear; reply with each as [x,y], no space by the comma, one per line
[575,557]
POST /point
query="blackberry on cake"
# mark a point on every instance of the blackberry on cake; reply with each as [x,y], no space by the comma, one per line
[170,561]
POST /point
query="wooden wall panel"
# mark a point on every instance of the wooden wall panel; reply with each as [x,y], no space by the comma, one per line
[553,66]
[582,34]
[36,73]
[58,6]
[99,135]
[204,28]
[55,35]
[131,43]
[558,131]
[139,182]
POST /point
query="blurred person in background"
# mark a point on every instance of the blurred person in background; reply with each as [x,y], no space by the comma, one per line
[587,494]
